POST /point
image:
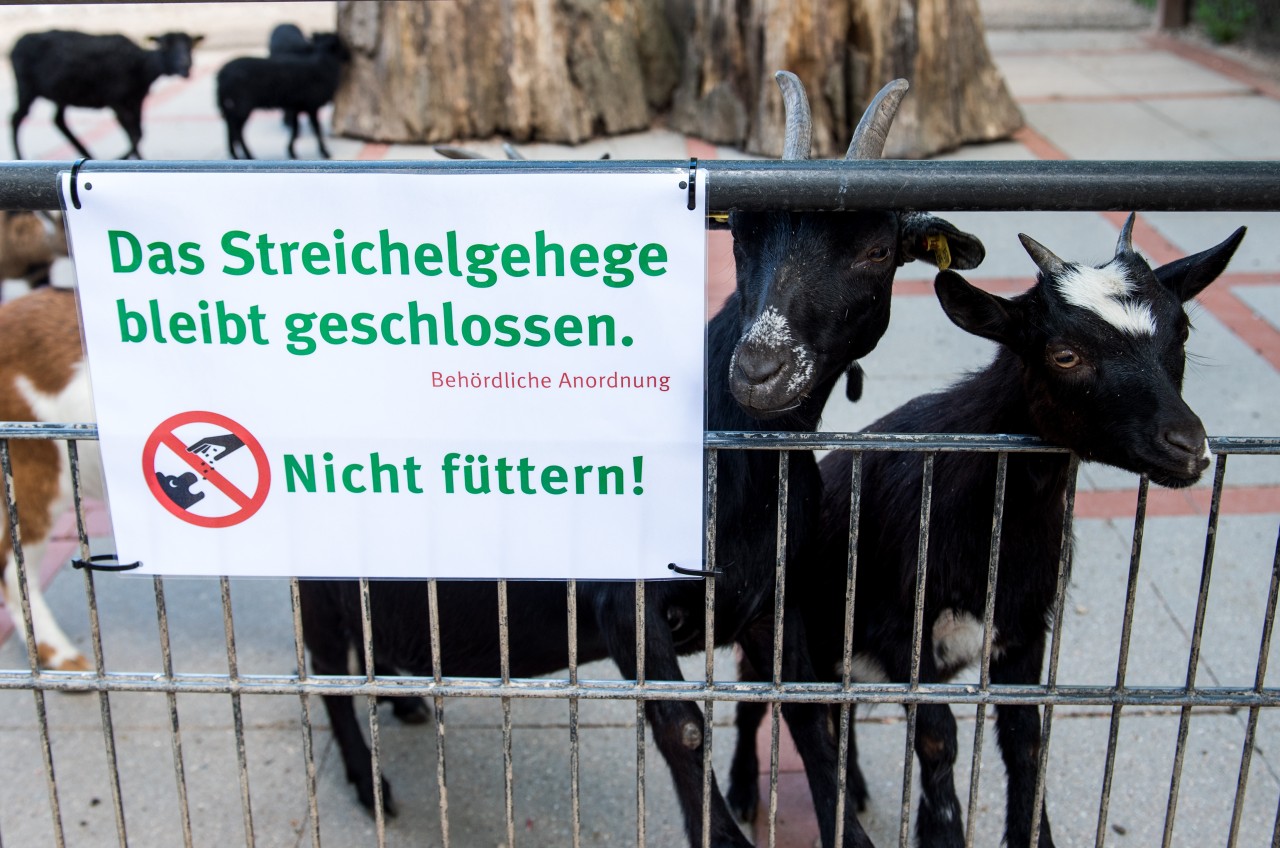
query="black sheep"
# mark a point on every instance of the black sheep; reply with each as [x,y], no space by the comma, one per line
[96,71]
[293,82]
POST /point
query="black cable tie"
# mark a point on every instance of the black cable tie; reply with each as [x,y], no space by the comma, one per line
[75,186]
[693,572]
[93,563]
[693,183]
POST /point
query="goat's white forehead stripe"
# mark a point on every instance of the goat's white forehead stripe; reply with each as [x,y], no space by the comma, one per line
[1104,292]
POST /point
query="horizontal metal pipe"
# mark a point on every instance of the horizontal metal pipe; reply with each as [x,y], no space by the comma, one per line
[731,440]
[656,690]
[812,184]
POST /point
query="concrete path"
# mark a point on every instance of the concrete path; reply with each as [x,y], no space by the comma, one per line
[1110,92]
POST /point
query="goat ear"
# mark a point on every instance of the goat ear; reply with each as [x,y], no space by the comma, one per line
[1190,275]
[932,239]
[976,311]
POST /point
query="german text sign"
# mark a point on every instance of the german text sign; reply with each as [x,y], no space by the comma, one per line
[424,375]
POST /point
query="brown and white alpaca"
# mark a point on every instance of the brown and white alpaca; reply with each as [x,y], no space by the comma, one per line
[42,378]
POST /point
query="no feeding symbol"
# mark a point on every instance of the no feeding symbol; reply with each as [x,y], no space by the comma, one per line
[206,469]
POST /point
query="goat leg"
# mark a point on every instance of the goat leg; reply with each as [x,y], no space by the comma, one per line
[315,128]
[809,725]
[1018,736]
[677,726]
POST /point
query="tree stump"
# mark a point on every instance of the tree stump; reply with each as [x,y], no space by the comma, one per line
[569,70]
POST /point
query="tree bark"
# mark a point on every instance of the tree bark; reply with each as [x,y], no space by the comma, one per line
[569,70]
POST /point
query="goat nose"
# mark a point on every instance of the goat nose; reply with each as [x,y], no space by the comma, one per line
[759,366]
[1188,439]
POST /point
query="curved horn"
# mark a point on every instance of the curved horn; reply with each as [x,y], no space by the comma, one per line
[873,129]
[1044,258]
[451,152]
[1125,244]
[511,151]
[795,103]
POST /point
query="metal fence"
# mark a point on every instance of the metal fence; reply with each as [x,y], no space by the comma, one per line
[755,185]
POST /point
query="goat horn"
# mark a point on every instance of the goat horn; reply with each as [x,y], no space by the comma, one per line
[450,152]
[799,123]
[1044,258]
[873,129]
[1125,244]
[510,149]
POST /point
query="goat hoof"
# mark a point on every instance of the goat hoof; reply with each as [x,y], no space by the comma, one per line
[743,799]
[365,792]
[410,710]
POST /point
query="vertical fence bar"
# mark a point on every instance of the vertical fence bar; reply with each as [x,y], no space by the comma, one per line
[433,609]
[1193,659]
[846,654]
[375,753]
[575,797]
[508,765]
[233,669]
[640,721]
[28,630]
[779,601]
[1055,644]
[710,464]
[175,731]
[988,638]
[917,641]
[1259,680]
[1122,664]
[308,750]
[95,632]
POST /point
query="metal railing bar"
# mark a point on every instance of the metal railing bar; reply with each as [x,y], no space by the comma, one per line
[1080,185]
[988,639]
[575,791]
[673,690]
[237,715]
[1260,676]
[846,651]
[641,685]
[95,636]
[304,702]
[371,708]
[917,642]
[508,764]
[1122,662]
[1197,633]
[711,466]
[1055,644]
[433,609]
[175,730]
[28,630]
[779,601]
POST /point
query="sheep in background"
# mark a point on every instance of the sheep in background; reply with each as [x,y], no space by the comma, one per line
[293,83]
[95,71]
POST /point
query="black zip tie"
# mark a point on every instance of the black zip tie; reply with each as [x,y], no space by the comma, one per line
[92,563]
[693,183]
[693,572]
[75,187]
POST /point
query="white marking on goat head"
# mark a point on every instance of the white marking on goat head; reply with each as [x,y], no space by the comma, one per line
[1107,292]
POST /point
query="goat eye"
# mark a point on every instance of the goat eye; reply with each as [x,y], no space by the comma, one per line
[878,254]
[1065,358]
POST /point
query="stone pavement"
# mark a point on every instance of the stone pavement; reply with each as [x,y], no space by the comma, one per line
[1107,92]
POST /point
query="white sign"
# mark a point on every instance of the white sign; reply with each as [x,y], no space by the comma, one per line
[391,375]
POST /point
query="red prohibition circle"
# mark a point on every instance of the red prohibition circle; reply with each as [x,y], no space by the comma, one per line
[249,503]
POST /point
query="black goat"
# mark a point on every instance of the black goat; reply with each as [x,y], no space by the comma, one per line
[812,296]
[294,83]
[97,71]
[1090,359]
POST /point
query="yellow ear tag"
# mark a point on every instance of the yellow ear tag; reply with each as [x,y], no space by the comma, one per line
[941,250]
